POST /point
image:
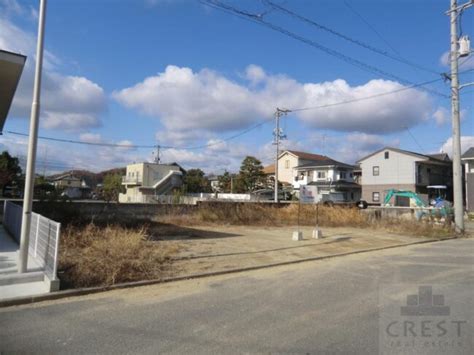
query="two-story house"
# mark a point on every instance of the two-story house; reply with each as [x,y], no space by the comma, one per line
[144,181]
[333,180]
[393,168]
[327,175]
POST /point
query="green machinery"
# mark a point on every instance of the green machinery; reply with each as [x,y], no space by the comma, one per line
[443,206]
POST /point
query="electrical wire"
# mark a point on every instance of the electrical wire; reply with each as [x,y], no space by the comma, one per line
[370,26]
[257,18]
[349,39]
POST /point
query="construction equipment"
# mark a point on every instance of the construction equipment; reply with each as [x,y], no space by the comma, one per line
[438,205]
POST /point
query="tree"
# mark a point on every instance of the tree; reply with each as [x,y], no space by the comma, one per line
[225,182]
[196,182]
[113,186]
[10,170]
[251,176]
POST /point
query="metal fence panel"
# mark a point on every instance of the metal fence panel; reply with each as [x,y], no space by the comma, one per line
[43,237]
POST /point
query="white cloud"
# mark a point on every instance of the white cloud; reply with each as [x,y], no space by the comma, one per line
[91,137]
[466,143]
[442,116]
[188,102]
[67,102]
[464,63]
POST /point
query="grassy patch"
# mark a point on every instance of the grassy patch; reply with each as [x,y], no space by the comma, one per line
[251,214]
[101,256]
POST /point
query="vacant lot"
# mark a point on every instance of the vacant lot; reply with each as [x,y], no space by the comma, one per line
[218,248]
[222,237]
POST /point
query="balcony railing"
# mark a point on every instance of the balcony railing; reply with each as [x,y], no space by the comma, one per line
[132,180]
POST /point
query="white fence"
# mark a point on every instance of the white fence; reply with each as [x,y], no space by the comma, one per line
[43,239]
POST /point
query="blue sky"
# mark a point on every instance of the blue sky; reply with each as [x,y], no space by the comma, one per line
[179,73]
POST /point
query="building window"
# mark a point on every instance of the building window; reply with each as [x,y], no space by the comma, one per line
[375,171]
[376,196]
[287,164]
[387,155]
[351,175]
[342,175]
[321,174]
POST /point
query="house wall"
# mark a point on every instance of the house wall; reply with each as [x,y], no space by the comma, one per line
[398,169]
[285,170]
[368,190]
[469,170]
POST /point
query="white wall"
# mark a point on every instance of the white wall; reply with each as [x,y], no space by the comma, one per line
[397,169]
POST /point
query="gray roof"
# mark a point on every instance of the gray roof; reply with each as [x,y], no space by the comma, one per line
[337,184]
[437,158]
[468,154]
[323,163]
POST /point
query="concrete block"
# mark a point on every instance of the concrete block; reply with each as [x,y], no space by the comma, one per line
[297,235]
[52,285]
[317,233]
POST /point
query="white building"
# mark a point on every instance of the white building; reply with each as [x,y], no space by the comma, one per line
[145,181]
[392,168]
[468,161]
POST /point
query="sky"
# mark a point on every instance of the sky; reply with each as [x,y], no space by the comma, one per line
[204,83]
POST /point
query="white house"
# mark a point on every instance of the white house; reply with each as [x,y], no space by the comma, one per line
[333,180]
[145,181]
[328,176]
[468,161]
[393,168]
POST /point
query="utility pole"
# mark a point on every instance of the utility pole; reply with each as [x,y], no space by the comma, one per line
[278,135]
[32,145]
[454,13]
[157,158]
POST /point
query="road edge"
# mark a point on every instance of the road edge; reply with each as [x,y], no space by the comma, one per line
[17,301]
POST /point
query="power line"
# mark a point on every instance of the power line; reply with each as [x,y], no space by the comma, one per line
[257,18]
[415,140]
[350,39]
[371,27]
[367,97]
[134,146]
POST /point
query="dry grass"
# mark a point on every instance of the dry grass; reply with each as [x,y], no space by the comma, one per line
[100,256]
[305,215]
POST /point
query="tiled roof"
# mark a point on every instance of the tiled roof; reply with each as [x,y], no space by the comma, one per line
[468,153]
[270,169]
[307,156]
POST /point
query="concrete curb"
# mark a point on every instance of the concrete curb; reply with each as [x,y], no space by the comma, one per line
[90,290]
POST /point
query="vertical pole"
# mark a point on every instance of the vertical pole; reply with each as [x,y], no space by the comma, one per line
[456,139]
[38,219]
[32,143]
[277,143]
[56,251]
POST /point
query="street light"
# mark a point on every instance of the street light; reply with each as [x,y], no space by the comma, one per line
[32,144]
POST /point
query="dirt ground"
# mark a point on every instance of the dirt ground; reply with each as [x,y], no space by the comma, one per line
[204,249]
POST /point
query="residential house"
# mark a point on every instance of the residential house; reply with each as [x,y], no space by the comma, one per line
[468,161]
[393,168]
[145,181]
[66,180]
[328,176]
[333,180]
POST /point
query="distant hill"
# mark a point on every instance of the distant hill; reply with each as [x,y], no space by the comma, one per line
[91,178]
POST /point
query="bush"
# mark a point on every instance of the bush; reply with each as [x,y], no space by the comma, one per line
[103,256]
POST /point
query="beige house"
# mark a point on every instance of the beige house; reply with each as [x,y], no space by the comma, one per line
[145,181]
[290,159]
[393,168]
[67,180]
